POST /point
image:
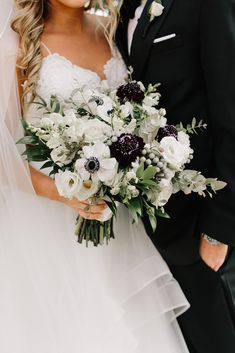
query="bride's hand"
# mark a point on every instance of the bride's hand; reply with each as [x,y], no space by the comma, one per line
[87,209]
[45,187]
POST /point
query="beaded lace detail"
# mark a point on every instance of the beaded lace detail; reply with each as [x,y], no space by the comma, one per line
[59,76]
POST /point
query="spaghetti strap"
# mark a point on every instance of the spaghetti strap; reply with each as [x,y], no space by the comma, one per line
[45,47]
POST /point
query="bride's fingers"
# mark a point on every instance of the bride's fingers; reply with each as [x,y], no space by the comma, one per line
[92,212]
[90,203]
[90,216]
[92,208]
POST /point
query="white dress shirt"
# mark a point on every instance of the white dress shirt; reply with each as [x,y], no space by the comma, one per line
[133,23]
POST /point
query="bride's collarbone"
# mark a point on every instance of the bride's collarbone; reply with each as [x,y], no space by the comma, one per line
[90,51]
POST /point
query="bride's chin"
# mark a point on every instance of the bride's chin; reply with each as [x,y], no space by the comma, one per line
[76,4]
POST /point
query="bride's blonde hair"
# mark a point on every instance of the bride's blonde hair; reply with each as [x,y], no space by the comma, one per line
[29,24]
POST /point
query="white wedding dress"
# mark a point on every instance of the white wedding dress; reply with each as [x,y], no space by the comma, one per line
[57,296]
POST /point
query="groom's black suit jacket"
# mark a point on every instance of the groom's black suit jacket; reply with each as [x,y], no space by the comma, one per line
[196,70]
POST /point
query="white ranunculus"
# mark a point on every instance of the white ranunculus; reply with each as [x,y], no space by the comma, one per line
[106,166]
[68,184]
[174,152]
[183,138]
[59,155]
[95,130]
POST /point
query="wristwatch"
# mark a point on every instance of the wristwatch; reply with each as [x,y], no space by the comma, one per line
[211,240]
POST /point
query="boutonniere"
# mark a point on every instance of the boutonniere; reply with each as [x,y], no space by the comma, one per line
[156,9]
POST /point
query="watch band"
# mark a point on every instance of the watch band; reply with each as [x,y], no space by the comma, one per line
[211,240]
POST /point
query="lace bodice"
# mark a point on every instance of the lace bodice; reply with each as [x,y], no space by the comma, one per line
[59,76]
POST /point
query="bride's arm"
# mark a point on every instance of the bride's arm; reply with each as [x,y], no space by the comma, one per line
[45,186]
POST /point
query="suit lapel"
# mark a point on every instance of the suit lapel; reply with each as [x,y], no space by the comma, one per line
[144,35]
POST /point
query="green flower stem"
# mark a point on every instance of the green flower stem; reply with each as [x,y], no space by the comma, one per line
[94,231]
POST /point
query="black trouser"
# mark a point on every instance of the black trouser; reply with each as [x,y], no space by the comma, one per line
[209,325]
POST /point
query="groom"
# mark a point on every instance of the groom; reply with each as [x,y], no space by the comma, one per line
[189,47]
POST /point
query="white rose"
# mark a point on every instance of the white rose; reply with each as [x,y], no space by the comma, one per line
[95,130]
[174,152]
[150,126]
[68,184]
[156,10]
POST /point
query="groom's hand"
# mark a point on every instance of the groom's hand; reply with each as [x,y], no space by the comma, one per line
[213,255]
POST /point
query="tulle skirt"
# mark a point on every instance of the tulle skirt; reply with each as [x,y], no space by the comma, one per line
[57,296]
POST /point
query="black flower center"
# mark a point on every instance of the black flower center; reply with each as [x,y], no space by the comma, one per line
[92,165]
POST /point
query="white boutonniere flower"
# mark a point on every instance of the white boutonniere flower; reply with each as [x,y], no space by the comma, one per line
[156,9]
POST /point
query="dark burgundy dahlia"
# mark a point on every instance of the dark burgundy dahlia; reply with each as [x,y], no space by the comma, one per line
[130,92]
[127,148]
[166,131]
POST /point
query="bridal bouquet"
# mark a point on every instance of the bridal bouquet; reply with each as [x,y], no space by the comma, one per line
[115,145]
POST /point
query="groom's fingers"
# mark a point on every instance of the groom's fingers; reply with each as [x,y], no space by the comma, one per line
[213,255]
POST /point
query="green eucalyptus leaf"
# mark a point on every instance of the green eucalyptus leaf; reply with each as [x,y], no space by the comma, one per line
[140,170]
[135,204]
[153,222]
[149,173]
[149,183]
[28,140]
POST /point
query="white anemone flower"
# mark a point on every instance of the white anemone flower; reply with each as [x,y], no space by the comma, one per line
[96,163]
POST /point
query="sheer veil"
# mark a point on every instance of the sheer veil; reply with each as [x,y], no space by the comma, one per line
[14,173]
[55,295]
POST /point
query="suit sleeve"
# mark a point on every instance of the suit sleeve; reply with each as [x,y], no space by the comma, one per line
[217,43]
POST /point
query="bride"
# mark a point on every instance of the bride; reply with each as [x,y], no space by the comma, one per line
[57,296]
